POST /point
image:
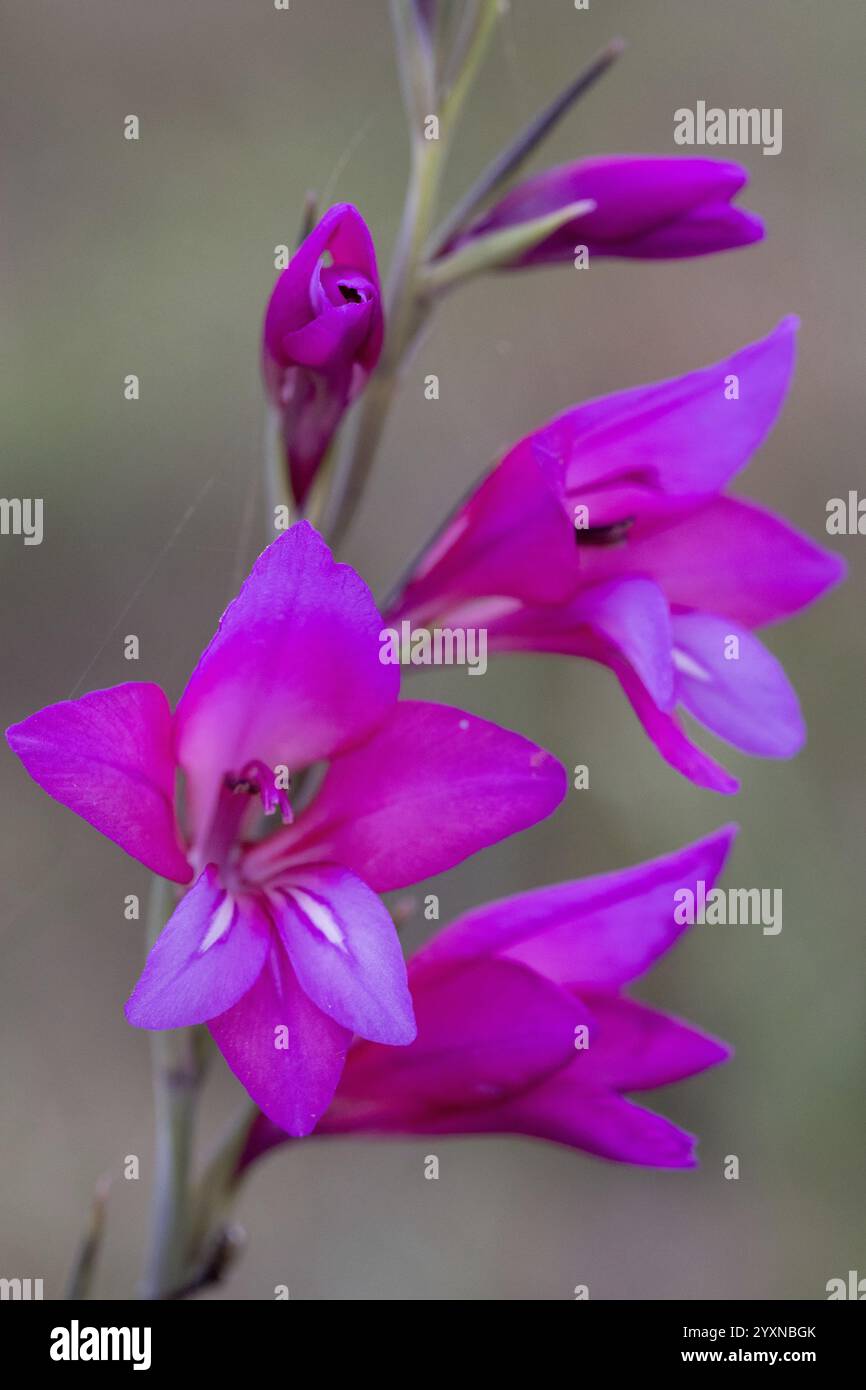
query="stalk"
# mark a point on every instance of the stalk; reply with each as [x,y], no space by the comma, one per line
[177,1075]
[409,300]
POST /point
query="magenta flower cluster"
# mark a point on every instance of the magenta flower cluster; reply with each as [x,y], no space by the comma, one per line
[608,533]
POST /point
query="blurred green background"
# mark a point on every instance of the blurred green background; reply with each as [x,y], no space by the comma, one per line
[156,258]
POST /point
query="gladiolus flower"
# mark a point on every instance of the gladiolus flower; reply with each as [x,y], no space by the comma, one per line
[322,338]
[282,945]
[647,207]
[607,535]
[523,1027]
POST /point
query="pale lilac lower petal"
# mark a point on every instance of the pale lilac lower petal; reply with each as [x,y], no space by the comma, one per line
[676,441]
[208,954]
[616,638]
[671,741]
[634,1048]
[484,1031]
[293,1084]
[746,700]
[109,757]
[344,948]
[595,932]
[431,786]
[630,615]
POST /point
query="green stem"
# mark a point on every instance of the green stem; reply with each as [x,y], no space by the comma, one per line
[277,489]
[177,1075]
[409,301]
[405,316]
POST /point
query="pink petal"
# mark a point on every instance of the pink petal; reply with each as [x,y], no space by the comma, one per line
[429,788]
[727,557]
[292,1084]
[344,949]
[508,539]
[210,952]
[557,1109]
[671,741]
[748,700]
[484,1031]
[600,1123]
[599,932]
[645,456]
[109,757]
[634,1048]
[647,207]
[292,675]
[630,615]
[636,453]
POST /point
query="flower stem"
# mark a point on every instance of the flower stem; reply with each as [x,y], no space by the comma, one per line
[409,301]
[406,314]
[277,490]
[177,1075]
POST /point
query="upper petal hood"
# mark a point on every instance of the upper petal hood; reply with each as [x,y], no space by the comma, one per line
[643,457]
[293,674]
[670,445]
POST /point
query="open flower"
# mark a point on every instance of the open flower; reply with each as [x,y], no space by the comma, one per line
[282,945]
[607,535]
[647,207]
[523,1027]
[322,337]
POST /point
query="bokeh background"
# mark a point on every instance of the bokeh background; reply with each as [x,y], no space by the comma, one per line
[156,258]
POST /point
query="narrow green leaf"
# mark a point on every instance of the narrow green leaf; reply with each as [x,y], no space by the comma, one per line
[512,158]
[500,248]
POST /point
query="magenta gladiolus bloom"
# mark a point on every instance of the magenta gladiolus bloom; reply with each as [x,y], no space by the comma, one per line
[282,945]
[647,207]
[322,337]
[607,535]
[523,1027]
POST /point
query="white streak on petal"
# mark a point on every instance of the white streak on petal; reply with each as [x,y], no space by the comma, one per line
[687,665]
[220,923]
[321,917]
